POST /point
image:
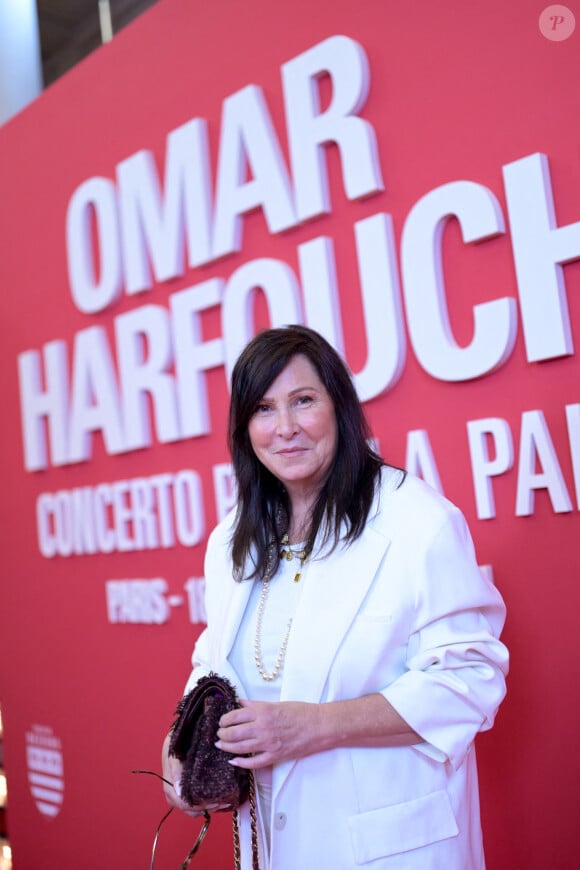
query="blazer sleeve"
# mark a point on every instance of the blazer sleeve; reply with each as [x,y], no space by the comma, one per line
[213,565]
[456,665]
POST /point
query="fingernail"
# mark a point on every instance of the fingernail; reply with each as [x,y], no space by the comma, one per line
[233,762]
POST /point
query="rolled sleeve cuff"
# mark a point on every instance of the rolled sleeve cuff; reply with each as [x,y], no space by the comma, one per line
[447,726]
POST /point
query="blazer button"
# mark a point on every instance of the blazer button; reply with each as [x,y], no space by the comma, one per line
[280,821]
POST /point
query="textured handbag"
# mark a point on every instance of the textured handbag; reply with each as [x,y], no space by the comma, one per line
[207,777]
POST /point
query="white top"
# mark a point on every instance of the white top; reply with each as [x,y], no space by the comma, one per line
[279,609]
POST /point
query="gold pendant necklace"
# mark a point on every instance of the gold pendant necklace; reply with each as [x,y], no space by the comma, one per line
[271,675]
[289,554]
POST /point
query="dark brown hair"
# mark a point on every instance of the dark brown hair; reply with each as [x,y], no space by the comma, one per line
[263,504]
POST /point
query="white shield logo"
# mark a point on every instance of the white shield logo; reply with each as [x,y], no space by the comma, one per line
[45,769]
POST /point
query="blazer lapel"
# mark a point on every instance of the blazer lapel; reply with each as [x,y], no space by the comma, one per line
[236,604]
[334,590]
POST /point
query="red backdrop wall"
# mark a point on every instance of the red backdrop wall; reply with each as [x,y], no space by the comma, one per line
[457,209]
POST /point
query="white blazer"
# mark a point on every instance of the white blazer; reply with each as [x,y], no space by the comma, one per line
[404,611]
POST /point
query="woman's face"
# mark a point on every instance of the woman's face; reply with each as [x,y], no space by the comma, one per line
[293,430]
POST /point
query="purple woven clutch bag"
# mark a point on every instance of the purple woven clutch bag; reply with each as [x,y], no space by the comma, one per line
[207,778]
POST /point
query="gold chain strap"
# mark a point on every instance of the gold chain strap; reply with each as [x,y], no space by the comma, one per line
[237,862]
[254,828]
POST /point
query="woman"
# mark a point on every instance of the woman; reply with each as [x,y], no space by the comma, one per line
[345,603]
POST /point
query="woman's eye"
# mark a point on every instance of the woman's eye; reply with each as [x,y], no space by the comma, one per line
[262,409]
[304,400]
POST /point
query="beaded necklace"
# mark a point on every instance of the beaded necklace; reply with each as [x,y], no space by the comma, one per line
[286,553]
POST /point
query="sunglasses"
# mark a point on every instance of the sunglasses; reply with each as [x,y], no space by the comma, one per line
[200,836]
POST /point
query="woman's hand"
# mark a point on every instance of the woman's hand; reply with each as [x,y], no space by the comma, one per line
[270,732]
[172,769]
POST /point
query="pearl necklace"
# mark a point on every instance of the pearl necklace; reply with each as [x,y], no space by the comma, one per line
[287,554]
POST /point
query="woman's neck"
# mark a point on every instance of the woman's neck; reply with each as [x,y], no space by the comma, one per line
[301,515]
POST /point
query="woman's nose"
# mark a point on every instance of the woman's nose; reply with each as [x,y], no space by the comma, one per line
[286,423]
